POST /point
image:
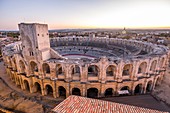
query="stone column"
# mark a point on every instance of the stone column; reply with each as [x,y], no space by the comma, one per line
[102,90]
[54,90]
[102,67]
[43,91]
[135,67]
[83,90]
[84,72]
[67,90]
[119,71]
[67,73]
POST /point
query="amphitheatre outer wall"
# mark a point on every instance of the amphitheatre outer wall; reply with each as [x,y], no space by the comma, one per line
[35,65]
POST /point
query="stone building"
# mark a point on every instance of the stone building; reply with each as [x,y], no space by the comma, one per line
[92,67]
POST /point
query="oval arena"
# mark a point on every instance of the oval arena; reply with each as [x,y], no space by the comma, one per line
[85,66]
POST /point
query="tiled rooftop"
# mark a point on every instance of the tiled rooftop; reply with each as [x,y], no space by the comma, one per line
[77,104]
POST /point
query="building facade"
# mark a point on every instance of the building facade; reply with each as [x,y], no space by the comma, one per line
[92,67]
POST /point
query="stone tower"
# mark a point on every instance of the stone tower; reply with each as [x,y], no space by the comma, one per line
[35,41]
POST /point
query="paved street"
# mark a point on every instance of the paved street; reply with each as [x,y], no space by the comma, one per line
[146,101]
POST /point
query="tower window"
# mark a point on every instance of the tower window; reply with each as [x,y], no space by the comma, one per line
[38,34]
[31,54]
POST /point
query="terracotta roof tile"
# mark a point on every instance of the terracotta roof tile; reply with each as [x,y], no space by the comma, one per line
[77,104]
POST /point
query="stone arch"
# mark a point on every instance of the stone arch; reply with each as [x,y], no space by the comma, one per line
[108,92]
[125,90]
[46,68]
[142,67]
[138,89]
[92,93]
[153,65]
[93,70]
[59,69]
[76,91]
[49,90]
[75,70]
[34,67]
[149,86]
[37,87]
[127,70]
[111,70]
[26,84]
[62,91]
[162,62]
[22,66]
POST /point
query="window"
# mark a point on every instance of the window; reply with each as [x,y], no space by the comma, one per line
[38,34]
[31,54]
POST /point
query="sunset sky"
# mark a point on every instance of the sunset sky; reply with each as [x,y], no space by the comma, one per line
[61,14]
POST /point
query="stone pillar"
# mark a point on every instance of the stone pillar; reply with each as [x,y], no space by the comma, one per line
[67,90]
[43,91]
[84,91]
[102,90]
[119,72]
[54,90]
[84,72]
[67,73]
[144,88]
[102,67]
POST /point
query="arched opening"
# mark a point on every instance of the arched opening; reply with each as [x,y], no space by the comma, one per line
[138,89]
[34,67]
[153,65]
[162,62]
[37,87]
[22,67]
[49,90]
[127,69]
[59,70]
[92,93]
[124,91]
[26,84]
[62,91]
[76,91]
[142,68]
[111,71]
[109,92]
[93,70]
[75,70]
[15,65]
[149,87]
[46,68]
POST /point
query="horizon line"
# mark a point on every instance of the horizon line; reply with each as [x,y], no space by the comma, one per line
[138,28]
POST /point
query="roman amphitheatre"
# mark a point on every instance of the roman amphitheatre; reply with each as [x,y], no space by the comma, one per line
[86,66]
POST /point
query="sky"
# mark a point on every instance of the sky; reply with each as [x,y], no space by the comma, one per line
[68,14]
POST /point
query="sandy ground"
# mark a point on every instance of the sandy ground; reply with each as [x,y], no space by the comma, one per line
[162,92]
[19,101]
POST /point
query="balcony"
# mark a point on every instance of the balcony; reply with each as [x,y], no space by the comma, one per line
[61,76]
[93,78]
